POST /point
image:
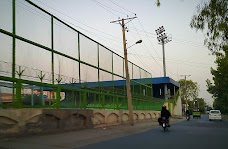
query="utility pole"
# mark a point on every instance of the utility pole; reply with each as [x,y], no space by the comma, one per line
[0,95]
[129,98]
[186,101]
[163,39]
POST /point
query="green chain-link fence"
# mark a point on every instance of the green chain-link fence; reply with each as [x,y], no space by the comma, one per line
[45,62]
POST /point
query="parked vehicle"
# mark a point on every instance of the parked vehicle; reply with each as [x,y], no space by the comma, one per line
[215,115]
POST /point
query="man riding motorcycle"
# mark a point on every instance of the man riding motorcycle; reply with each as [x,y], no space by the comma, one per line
[187,114]
[164,113]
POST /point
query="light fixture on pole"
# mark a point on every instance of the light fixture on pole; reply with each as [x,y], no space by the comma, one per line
[163,39]
[140,41]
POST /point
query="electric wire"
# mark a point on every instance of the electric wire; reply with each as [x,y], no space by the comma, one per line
[146,48]
[171,60]
[109,7]
[116,15]
[89,31]
[105,8]
[46,18]
[78,21]
[121,7]
[139,58]
[142,28]
[153,35]
[116,11]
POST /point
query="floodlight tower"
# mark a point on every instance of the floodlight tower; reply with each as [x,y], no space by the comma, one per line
[163,39]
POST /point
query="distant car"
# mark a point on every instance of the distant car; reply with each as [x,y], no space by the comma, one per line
[215,115]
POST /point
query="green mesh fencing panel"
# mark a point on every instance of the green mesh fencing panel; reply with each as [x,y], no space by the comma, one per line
[48,63]
[6,15]
[88,51]
[33,24]
[65,39]
[6,55]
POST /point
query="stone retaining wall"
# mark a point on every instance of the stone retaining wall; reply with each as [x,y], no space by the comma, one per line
[26,121]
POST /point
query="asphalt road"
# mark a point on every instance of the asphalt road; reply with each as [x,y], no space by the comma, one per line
[193,134]
[196,133]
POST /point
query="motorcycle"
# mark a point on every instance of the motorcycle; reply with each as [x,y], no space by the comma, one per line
[188,117]
[164,123]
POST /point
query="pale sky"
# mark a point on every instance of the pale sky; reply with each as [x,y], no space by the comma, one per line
[185,54]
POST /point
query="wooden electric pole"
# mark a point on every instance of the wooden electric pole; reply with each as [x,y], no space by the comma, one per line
[185,84]
[129,98]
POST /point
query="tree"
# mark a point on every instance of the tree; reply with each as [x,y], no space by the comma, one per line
[158,3]
[189,90]
[212,16]
[219,89]
[199,103]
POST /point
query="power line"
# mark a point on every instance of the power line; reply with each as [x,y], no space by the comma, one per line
[145,50]
[98,3]
[109,7]
[144,45]
[121,7]
[78,21]
[38,13]
[182,41]
[151,54]
[174,61]
[191,43]
[139,59]
[111,12]
[103,36]
[147,37]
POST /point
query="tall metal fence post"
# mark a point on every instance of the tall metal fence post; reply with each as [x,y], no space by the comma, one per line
[103,101]
[84,99]
[14,45]
[79,58]
[18,94]
[58,97]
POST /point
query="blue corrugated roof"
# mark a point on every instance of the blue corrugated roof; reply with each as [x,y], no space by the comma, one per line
[164,80]
[158,80]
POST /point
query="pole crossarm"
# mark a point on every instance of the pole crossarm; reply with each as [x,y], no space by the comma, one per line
[124,20]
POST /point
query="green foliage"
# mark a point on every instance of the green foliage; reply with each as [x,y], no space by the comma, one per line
[201,103]
[188,90]
[219,87]
[197,103]
[213,16]
[158,3]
